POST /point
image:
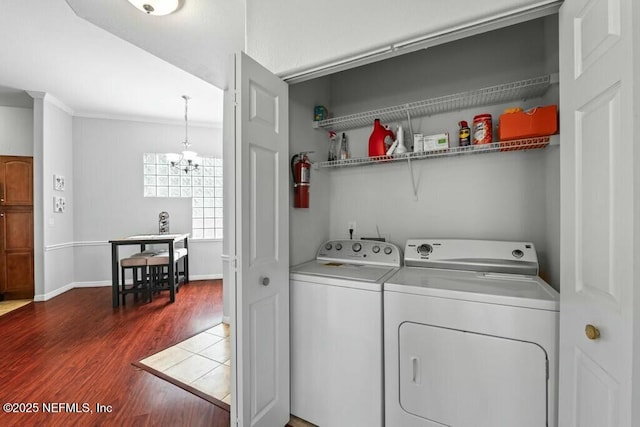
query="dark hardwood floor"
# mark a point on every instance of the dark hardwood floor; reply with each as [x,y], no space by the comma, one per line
[75,348]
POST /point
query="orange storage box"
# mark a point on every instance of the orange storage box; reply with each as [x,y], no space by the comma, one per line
[539,121]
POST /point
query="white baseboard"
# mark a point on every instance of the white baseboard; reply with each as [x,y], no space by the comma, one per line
[94,284]
[104,283]
[206,277]
[54,293]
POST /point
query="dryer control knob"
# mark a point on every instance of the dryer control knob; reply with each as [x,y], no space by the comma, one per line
[517,253]
[356,247]
[388,250]
[376,249]
[425,249]
[328,246]
[338,246]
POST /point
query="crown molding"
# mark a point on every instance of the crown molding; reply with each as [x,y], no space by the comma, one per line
[88,115]
[152,120]
[47,97]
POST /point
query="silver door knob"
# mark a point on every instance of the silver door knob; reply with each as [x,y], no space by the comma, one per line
[265,281]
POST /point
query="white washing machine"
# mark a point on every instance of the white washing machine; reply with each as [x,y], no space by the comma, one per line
[470,337]
[336,333]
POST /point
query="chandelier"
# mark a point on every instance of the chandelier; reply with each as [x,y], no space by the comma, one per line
[187,160]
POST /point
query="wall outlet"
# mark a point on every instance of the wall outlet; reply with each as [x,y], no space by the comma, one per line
[351,225]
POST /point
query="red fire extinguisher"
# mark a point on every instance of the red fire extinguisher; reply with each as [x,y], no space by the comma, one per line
[301,170]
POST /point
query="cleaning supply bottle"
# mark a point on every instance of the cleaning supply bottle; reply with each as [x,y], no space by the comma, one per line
[344,147]
[464,137]
[333,146]
[400,149]
[380,139]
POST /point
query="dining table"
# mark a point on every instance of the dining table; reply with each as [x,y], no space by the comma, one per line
[170,240]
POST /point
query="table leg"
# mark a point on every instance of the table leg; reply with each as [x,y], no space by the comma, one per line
[114,275]
[172,277]
[186,262]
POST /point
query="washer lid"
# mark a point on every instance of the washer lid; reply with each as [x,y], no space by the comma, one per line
[341,270]
[495,288]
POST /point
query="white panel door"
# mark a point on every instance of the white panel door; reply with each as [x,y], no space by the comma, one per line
[597,213]
[260,319]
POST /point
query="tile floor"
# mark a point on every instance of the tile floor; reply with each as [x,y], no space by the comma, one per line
[9,306]
[202,361]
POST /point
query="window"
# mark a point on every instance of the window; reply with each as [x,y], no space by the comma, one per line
[203,186]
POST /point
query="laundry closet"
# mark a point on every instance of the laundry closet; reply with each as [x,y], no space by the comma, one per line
[502,195]
[585,56]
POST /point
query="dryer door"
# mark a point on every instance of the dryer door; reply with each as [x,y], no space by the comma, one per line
[464,379]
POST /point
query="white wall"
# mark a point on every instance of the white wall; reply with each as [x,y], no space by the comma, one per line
[109,201]
[16,131]
[509,196]
[334,29]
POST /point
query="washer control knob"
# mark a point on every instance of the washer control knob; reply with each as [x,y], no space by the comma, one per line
[376,249]
[356,247]
[388,250]
[425,249]
[338,246]
[328,246]
[517,253]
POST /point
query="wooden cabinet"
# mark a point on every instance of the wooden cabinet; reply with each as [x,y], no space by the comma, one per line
[16,185]
[16,227]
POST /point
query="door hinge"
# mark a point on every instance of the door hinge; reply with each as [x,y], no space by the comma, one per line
[232,260]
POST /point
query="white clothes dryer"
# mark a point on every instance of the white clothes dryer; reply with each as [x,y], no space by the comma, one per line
[336,333]
[470,337]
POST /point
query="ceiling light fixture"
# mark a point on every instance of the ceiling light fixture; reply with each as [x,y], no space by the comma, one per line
[156,7]
[187,160]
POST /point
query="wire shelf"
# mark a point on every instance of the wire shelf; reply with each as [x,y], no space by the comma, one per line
[522,89]
[518,144]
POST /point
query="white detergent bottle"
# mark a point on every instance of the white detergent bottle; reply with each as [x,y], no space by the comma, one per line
[400,140]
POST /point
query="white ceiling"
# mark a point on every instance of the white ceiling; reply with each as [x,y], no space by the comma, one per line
[46,47]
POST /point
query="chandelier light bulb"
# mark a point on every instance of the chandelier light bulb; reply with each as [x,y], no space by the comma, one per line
[173,158]
[156,7]
[189,155]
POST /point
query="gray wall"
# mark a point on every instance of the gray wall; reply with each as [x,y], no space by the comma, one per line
[510,196]
[309,227]
[58,227]
[109,202]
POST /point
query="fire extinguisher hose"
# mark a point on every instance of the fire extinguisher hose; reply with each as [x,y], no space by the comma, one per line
[293,170]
